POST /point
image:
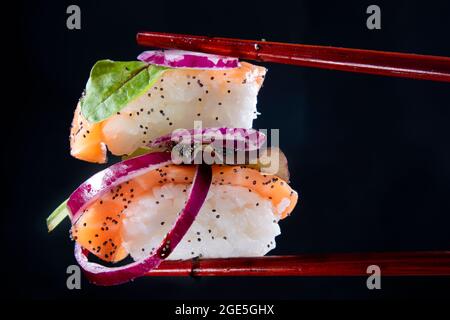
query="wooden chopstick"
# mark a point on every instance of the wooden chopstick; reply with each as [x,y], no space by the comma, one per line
[431,263]
[392,64]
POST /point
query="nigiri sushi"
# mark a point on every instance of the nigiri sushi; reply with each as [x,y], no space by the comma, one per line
[152,207]
[217,98]
[239,217]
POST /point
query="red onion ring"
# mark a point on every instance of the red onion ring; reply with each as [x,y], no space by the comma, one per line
[188,59]
[116,174]
[105,276]
[239,139]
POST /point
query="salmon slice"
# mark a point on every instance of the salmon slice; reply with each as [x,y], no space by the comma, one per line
[86,139]
[100,227]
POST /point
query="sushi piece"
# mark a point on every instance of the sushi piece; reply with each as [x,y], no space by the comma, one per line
[239,217]
[177,98]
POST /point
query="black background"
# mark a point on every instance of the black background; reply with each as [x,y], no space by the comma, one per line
[369,155]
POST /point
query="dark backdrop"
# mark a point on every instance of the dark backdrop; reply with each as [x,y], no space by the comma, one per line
[369,155]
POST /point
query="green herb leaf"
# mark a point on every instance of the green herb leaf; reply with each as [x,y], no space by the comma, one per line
[57,216]
[143,150]
[138,152]
[113,84]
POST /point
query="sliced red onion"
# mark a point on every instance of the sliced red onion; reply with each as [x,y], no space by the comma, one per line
[239,139]
[106,276]
[116,174]
[188,59]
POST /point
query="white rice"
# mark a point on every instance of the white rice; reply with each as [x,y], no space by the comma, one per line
[232,223]
[216,103]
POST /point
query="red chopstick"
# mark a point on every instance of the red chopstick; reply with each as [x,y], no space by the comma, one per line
[392,64]
[431,263]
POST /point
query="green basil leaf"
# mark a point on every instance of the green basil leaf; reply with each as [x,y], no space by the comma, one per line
[57,216]
[113,84]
